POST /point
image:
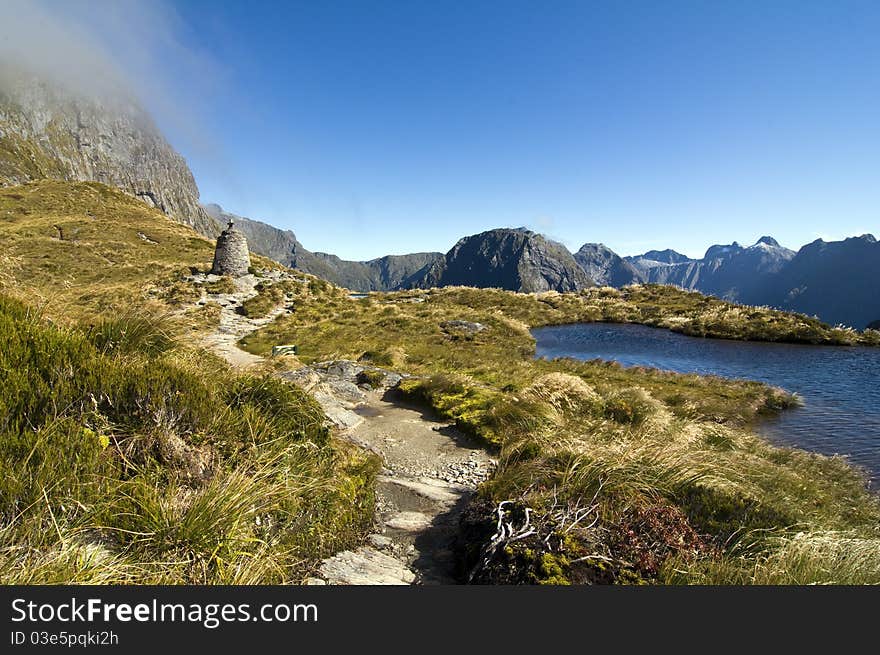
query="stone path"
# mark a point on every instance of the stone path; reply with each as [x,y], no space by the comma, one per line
[232,325]
[430,468]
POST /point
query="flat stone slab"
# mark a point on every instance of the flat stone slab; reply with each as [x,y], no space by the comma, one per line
[430,488]
[408,521]
[365,566]
[341,417]
[380,541]
[345,391]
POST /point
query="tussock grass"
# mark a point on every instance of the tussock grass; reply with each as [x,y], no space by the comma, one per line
[136,330]
[127,459]
[127,455]
[668,307]
[822,557]
[81,247]
[670,461]
[84,249]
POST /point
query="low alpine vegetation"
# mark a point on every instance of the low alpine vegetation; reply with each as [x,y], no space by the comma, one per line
[127,459]
[609,474]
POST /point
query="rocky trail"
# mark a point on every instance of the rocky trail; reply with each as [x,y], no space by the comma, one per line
[430,469]
[233,326]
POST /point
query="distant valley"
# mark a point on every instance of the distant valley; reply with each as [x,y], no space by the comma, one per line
[382,274]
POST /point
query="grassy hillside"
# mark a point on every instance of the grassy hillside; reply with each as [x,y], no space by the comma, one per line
[628,475]
[84,247]
[127,456]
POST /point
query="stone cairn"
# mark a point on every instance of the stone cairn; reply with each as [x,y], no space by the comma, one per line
[231,256]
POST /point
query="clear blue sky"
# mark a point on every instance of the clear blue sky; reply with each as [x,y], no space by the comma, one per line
[388,127]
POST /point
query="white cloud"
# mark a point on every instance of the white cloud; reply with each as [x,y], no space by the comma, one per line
[108,48]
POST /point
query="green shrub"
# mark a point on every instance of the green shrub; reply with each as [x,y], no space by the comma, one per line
[101,430]
[134,331]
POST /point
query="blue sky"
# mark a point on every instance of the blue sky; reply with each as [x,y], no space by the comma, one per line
[371,128]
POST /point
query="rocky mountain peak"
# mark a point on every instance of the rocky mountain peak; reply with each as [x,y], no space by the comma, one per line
[508,258]
[722,251]
[606,267]
[667,256]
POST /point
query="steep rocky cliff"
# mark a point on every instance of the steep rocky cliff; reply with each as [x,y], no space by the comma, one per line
[515,259]
[49,132]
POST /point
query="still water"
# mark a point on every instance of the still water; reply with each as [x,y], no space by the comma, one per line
[839,385]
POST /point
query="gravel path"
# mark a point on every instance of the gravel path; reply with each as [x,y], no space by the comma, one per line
[430,468]
[233,326]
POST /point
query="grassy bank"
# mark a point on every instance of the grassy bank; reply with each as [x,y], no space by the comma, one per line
[128,455]
[608,474]
[83,249]
[687,312]
[128,459]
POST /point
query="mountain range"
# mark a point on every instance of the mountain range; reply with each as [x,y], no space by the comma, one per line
[47,131]
[836,281]
[382,274]
[832,280]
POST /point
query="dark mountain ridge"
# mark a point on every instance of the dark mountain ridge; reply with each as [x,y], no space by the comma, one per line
[836,281]
[508,258]
[381,274]
[732,272]
[607,268]
[839,281]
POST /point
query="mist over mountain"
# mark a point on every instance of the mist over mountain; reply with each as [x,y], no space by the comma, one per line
[47,131]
